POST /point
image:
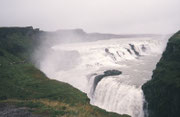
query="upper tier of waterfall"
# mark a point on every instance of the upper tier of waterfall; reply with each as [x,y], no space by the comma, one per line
[80,63]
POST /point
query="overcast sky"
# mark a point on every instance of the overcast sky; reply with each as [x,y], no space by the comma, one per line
[113,16]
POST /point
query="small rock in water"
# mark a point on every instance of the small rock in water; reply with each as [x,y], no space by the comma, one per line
[112,72]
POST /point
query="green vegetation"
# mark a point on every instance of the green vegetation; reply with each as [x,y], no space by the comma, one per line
[23,85]
[163,91]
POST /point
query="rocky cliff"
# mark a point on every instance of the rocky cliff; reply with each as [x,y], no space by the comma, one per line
[162,93]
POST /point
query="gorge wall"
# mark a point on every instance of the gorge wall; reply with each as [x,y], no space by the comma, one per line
[163,92]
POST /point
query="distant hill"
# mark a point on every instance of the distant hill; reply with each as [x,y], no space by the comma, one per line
[74,35]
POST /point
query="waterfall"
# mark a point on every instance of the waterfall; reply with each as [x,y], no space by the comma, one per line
[80,63]
[118,97]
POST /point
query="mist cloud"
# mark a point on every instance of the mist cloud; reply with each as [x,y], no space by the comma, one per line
[115,16]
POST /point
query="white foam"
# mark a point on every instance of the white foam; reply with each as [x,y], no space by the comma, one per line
[79,63]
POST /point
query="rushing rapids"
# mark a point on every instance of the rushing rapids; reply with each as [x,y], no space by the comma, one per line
[80,64]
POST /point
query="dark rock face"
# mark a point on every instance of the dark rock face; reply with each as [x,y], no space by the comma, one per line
[111,54]
[106,73]
[163,92]
[107,50]
[12,111]
[1,53]
[112,73]
[118,54]
[133,48]
[129,51]
[143,48]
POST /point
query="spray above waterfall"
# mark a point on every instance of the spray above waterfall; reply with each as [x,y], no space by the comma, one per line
[111,71]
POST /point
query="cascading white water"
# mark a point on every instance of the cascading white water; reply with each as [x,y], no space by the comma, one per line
[79,63]
[123,94]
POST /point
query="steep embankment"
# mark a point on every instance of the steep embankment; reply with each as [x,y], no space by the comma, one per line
[163,92]
[22,85]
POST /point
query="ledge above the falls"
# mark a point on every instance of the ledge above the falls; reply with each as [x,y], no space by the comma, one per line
[112,73]
[98,78]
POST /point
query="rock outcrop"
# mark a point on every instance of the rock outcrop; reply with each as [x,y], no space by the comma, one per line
[107,73]
[162,93]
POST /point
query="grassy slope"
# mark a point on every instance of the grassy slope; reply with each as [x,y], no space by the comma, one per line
[21,84]
[163,91]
